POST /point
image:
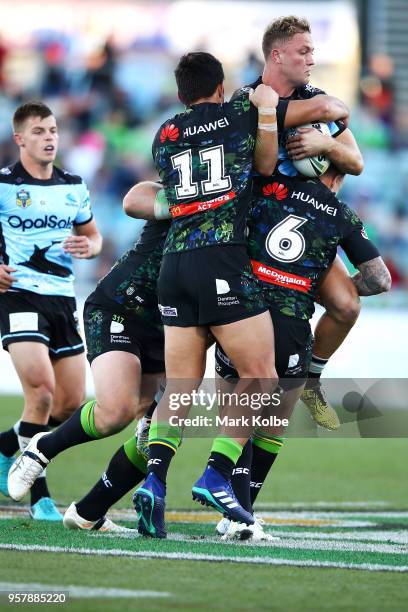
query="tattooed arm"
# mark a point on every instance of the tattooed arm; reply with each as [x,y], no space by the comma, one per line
[373,277]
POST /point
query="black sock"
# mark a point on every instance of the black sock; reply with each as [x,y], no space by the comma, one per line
[71,433]
[120,477]
[26,431]
[39,490]
[8,442]
[151,409]
[53,422]
[316,367]
[262,461]
[241,477]
[222,464]
[160,457]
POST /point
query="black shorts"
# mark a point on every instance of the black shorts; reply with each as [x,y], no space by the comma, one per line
[108,329]
[293,352]
[208,286]
[26,316]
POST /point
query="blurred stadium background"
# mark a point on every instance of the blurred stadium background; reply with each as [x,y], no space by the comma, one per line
[106,69]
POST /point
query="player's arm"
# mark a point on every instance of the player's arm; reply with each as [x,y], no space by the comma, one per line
[146,200]
[85,242]
[319,108]
[266,146]
[372,278]
[342,151]
[6,278]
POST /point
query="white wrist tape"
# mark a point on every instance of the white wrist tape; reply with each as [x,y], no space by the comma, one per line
[161,206]
[266,110]
[268,127]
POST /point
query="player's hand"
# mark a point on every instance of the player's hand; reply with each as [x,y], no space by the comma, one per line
[308,142]
[80,247]
[264,97]
[6,280]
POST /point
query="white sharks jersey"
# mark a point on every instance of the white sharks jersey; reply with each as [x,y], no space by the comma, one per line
[35,217]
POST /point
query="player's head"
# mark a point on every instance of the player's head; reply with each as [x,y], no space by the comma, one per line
[35,132]
[288,47]
[332,178]
[199,76]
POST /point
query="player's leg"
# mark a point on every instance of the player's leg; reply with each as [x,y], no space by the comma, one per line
[117,382]
[125,470]
[185,354]
[8,448]
[69,386]
[339,296]
[34,368]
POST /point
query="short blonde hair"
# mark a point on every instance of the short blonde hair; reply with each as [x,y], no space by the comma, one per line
[281,30]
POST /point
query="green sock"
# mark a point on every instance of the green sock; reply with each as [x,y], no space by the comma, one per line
[270,444]
[225,453]
[134,455]
[228,447]
[88,420]
[165,434]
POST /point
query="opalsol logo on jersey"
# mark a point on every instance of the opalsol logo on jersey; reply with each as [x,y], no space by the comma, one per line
[48,221]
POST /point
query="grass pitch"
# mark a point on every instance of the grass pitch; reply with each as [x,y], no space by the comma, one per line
[339,507]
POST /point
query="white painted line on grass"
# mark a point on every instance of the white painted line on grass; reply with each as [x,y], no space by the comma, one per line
[373,567]
[79,592]
[366,505]
[390,537]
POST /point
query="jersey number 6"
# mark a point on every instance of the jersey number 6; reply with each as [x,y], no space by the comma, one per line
[284,242]
[216,180]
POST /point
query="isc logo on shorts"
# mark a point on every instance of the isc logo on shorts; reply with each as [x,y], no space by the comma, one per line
[168,311]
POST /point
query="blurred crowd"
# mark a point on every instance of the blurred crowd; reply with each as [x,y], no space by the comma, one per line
[110,102]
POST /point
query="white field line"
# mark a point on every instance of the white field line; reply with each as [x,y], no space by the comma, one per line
[389,537]
[332,514]
[287,541]
[79,591]
[299,542]
[373,567]
[348,505]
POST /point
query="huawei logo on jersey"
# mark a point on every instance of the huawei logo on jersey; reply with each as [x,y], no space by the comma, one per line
[277,189]
[169,132]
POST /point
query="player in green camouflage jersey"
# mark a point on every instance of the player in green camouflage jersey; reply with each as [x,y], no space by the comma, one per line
[295,228]
[125,344]
[204,157]
[215,213]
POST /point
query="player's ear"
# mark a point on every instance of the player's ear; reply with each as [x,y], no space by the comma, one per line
[275,56]
[18,139]
[220,91]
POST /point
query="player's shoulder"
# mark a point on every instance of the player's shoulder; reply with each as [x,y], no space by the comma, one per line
[63,176]
[305,92]
[305,189]
[8,174]
[169,130]
[245,90]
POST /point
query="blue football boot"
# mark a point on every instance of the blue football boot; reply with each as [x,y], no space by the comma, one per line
[5,465]
[213,490]
[45,510]
[149,502]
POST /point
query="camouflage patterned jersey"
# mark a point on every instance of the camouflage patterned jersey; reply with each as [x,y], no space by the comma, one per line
[294,229]
[131,284]
[204,158]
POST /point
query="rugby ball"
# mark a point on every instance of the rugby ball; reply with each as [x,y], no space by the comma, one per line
[317,165]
